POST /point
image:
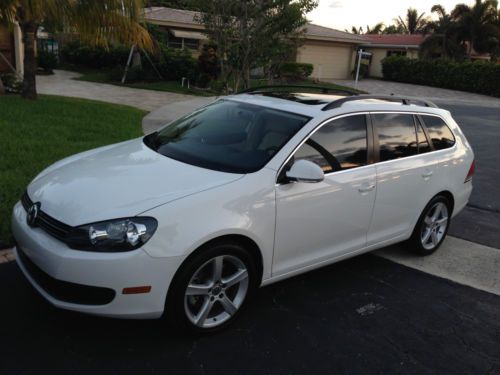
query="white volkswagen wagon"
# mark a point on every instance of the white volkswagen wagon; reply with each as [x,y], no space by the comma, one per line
[257,187]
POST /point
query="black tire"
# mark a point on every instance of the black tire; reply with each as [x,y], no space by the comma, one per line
[415,243]
[175,308]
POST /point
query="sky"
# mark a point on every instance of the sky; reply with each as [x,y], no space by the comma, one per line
[343,14]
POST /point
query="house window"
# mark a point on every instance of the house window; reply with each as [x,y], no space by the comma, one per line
[175,42]
[396,53]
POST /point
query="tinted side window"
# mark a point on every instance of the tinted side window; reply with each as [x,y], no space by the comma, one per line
[396,135]
[339,145]
[441,136]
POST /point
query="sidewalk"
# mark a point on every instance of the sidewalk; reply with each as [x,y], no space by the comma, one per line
[63,83]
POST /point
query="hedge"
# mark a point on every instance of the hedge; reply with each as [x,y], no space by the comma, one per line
[295,71]
[478,77]
[94,57]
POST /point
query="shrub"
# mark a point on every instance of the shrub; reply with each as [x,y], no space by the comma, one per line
[479,77]
[177,63]
[94,57]
[295,71]
[47,61]
[11,82]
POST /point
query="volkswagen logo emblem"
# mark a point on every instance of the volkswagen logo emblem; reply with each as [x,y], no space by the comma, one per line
[33,214]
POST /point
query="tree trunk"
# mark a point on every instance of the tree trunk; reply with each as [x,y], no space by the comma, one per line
[29,39]
[2,88]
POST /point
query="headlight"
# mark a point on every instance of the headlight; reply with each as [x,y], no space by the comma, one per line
[114,235]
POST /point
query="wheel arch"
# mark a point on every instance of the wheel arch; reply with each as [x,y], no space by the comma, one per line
[448,195]
[249,244]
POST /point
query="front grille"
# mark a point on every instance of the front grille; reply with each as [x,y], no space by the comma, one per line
[65,291]
[50,225]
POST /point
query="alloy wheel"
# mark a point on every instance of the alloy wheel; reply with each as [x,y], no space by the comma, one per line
[216,291]
[434,226]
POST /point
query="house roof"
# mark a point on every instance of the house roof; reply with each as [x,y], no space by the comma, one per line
[177,17]
[321,32]
[395,40]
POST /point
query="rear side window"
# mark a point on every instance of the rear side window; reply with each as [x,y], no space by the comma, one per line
[338,145]
[439,133]
[396,135]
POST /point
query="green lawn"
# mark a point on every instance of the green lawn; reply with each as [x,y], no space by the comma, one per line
[35,134]
[103,76]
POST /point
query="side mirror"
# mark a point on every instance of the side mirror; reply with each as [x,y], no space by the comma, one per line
[305,171]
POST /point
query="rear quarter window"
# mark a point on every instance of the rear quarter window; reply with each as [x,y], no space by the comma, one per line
[439,133]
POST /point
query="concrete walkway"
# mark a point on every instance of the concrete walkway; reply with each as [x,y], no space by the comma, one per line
[63,83]
[375,86]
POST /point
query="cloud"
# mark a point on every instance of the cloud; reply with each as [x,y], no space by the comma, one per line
[336,4]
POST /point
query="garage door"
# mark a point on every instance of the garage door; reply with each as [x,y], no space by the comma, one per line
[330,62]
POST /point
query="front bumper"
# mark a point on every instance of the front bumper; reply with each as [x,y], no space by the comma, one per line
[91,282]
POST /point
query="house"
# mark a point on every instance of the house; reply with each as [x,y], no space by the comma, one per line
[332,52]
[382,46]
[11,50]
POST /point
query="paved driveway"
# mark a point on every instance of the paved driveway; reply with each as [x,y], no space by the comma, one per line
[438,95]
[63,83]
[362,316]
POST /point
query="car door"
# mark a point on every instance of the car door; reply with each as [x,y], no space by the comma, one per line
[405,174]
[317,222]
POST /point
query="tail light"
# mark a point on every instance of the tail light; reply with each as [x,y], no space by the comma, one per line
[472,169]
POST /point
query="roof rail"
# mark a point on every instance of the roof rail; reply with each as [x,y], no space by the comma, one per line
[281,88]
[390,98]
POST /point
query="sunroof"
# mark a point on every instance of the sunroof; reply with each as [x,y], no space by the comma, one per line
[304,98]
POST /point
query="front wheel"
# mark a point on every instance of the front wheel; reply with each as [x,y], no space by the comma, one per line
[432,227]
[212,287]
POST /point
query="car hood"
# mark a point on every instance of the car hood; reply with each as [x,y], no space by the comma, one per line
[117,181]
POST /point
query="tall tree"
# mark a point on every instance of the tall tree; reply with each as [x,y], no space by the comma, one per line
[253,33]
[393,29]
[96,21]
[443,39]
[413,23]
[375,29]
[478,25]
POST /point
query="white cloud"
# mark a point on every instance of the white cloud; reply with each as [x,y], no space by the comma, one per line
[335,4]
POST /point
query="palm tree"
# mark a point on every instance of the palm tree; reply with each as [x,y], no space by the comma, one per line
[96,21]
[356,30]
[393,29]
[376,29]
[443,38]
[413,24]
[478,25]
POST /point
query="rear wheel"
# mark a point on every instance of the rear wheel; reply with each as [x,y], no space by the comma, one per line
[432,227]
[212,287]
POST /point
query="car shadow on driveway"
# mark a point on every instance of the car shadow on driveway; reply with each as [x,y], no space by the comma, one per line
[364,315]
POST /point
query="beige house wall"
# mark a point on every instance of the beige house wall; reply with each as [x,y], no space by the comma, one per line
[378,54]
[330,60]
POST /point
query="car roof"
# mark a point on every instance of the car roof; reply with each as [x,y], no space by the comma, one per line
[313,104]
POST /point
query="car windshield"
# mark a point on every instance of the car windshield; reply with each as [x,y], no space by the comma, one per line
[227,136]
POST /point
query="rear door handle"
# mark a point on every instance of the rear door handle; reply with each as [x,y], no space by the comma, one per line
[427,174]
[365,188]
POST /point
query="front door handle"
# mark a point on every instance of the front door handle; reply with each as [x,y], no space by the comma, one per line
[365,188]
